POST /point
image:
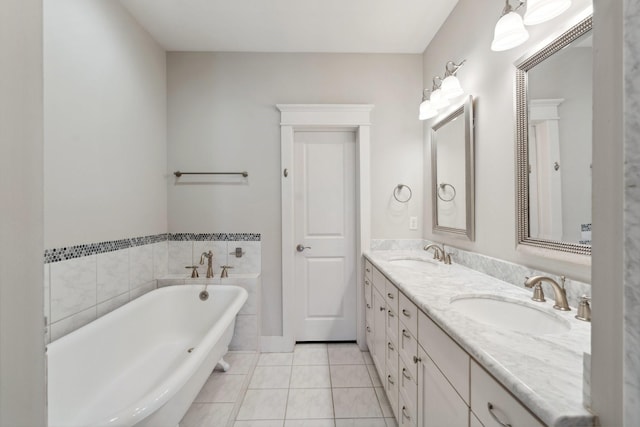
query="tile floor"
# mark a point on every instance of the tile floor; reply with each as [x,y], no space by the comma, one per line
[318,385]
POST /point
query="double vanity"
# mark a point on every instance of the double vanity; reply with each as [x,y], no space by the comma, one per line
[455,347]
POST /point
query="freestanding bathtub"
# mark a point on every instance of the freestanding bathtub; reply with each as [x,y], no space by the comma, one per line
[144,363]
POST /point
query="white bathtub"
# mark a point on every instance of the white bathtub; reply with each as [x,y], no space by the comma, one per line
[133,366]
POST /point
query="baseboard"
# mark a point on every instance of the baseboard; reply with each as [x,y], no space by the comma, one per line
[276,344]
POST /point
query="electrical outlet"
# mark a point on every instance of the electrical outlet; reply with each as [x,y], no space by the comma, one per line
[413,223]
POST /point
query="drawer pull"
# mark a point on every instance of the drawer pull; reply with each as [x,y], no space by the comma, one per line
[390,295]
[368,305]
[382,309]
[404,374]
[490,408]
[390,346]
[391,314]
[366,282]
[406,312]
[417,359]
[405,334]
[368,329]
[390,380]
[368,270]
[404,413]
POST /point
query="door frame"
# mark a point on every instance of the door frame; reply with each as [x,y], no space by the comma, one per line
[322,117]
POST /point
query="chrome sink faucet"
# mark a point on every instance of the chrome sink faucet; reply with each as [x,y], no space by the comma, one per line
[209,256]
[559,291]
[439,253]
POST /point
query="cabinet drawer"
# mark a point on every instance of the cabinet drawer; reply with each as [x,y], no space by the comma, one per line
[391,356]
[492,404]
[407,416]
[391,295]
[408,385]
[452,360]
[368,270]
[392,389]
[379,281]
[408,349]
[408,313]
[392,324]
[367,290]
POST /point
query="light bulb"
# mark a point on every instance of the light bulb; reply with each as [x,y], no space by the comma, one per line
[451,87]
[509,32]
[539,11]
[437,100]
[427,111]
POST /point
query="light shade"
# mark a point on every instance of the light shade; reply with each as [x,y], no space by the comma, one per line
[509,32]
[437,100]
[539,11]
[427,111]
[451,87]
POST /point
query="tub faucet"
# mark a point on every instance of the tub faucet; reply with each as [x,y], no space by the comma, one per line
[209,256]
[225,273]
[559,291]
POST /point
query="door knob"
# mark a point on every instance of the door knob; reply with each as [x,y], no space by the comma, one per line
[301,248]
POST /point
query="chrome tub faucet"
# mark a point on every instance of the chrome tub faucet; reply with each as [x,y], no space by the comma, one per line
[209,256]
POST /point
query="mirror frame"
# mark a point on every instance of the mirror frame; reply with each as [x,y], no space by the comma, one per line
[522,140]
[465,110]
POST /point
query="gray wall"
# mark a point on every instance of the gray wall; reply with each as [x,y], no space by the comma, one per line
[22,362]
[105,125]
[222,117]
[489,77]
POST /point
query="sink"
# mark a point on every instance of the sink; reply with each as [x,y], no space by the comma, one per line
[413,263]
[510,314]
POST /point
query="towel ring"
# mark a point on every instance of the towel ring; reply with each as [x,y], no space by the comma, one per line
[398,189]
[442,187]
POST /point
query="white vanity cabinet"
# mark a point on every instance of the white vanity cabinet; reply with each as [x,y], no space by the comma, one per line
[429,379]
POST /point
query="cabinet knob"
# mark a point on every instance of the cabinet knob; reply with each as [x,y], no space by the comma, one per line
[368,329]
[368,305]
[382,308]
[417,359]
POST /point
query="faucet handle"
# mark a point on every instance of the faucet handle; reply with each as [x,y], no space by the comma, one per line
[194,272]
[538,293]
[584,309]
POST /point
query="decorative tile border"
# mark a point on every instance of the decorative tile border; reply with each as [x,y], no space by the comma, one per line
[223,237]
[77,251]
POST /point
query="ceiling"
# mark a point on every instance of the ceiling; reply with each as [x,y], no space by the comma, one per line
[337,26]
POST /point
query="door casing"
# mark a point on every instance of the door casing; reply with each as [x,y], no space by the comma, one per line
[321,117]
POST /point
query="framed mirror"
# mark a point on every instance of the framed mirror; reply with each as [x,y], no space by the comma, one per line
[553,119]
[452,173]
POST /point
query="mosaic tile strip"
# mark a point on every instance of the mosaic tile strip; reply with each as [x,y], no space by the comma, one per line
[77,251]
[224,237]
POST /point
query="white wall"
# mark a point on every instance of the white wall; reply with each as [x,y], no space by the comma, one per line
[489,77]
[105,125]
[22,362]
[222,117]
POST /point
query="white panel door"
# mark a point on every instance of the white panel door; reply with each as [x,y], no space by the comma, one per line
[324,216]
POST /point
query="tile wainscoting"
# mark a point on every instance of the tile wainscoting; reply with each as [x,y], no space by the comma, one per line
[85,282]
[506,271]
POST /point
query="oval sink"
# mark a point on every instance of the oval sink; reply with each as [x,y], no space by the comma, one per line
[413,263]
[510,314]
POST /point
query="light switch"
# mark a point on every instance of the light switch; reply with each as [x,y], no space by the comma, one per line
[413,223]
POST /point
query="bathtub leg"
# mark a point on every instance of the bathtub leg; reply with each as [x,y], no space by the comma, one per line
[223,365]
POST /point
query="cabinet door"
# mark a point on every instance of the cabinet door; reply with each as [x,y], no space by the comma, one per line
[438,403]
[378,351]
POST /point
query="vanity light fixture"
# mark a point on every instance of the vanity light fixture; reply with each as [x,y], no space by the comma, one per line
[539,11]
[426,108]
[442,91]
[510,31]
[451,87]
[438,100]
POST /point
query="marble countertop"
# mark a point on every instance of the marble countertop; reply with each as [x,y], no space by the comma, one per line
[545,372]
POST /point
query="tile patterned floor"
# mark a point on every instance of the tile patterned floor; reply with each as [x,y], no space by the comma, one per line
[317,385]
